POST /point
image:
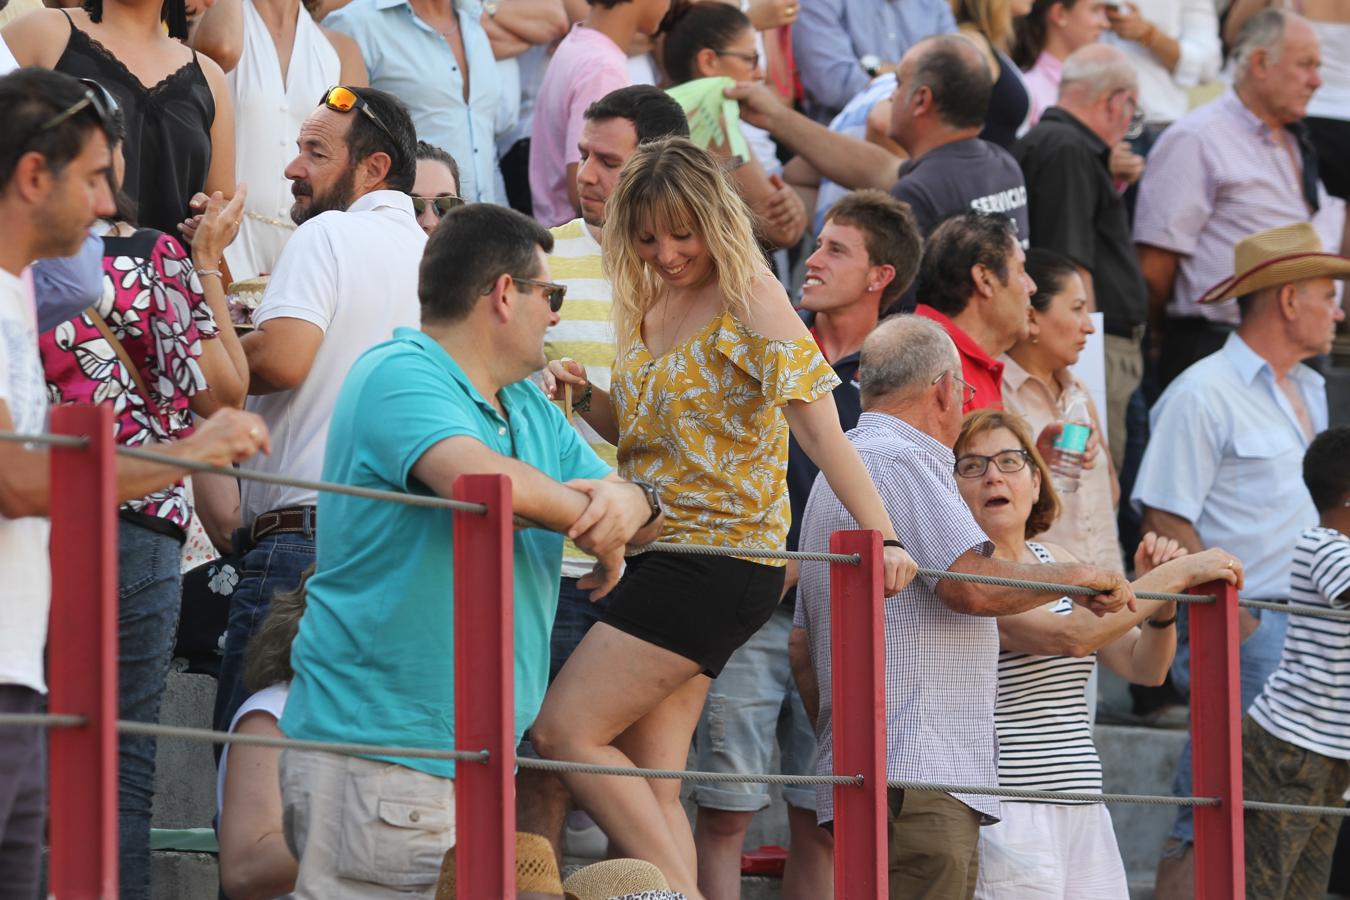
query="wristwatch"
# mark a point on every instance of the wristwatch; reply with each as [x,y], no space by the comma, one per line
[653,501]
[871,64]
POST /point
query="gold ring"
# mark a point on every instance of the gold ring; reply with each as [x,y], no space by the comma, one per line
[1230,564]
[254,433]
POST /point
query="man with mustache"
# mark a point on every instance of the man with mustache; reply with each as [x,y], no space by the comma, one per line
[346,279]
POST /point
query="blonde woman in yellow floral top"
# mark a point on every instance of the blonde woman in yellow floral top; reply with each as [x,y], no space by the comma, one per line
[713,368]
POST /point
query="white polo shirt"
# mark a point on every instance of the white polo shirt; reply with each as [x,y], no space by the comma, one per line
[353,273]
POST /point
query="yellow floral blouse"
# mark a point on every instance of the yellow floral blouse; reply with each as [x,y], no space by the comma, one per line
[703,423]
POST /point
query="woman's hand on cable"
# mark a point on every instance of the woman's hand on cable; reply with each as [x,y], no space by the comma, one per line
[217,227]
[1114,593]
[1214,564]
[227,437]
[566,371]
[1153,551]
[898,569]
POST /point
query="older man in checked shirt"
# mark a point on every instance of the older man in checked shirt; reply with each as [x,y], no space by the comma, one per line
[941,639]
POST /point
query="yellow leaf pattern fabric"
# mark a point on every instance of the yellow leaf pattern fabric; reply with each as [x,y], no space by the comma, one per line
[704,424]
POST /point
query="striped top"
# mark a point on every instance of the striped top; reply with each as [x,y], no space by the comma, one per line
[1306,700]
[1044,734]
[584,334]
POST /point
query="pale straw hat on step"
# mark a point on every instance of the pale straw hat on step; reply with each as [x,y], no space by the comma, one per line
[619,879]
[1277,256]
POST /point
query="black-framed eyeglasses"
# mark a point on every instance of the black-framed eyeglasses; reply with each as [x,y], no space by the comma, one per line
[967,389]
[751,58]
[553,291]
[343,99]
[438,205]
[972,465]
[97,98]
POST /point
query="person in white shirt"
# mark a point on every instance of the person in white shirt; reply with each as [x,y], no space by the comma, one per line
[277,60]
[53,186]
[346,280]
[1174,46]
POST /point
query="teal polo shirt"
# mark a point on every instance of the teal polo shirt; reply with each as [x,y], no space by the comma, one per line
[374,658]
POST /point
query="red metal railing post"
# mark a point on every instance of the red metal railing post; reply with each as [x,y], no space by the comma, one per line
[484,592]
[82,658]
[858,698]
[1216,743]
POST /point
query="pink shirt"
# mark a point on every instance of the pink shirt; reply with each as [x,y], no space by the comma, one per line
[1043,85]
[586,66]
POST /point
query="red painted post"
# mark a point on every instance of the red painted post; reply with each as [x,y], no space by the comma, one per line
[858,698]
[484,594]
[1216,743]
[82,658]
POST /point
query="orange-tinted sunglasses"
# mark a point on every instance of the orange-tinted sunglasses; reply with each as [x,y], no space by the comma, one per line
[344,99]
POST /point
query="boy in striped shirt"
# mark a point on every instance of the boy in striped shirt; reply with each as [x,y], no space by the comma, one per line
[1296,736]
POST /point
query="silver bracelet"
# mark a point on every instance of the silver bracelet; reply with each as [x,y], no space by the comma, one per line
[215,272]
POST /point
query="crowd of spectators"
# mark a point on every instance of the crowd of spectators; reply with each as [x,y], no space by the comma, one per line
[740,274]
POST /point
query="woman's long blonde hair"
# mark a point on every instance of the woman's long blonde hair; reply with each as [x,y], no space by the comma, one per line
[991,18]
[673,184]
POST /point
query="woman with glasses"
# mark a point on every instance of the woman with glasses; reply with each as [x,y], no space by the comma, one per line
[175,102]
[711,39]
[1044,850]
[436,188]
[713,368]
[1037,375]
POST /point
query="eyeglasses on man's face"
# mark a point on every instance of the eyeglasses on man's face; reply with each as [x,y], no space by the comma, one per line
[439,206]
[973,465]
[553,291]
[967,389]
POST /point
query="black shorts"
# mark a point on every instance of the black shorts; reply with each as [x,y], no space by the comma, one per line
[1331,137]
[701,607]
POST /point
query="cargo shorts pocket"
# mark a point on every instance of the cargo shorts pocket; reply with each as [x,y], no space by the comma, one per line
[397,825]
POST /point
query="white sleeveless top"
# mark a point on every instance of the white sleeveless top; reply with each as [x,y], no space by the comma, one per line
[267,117]
[1332,100]
[1044,732]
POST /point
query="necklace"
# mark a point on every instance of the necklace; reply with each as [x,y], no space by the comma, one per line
[259,217]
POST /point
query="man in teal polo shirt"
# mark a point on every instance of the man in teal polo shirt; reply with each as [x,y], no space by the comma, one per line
[374,657]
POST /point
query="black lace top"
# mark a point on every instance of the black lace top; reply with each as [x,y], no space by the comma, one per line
[168,143]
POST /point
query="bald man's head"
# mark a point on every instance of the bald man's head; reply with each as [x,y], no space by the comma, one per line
[1096,71]
[954,71]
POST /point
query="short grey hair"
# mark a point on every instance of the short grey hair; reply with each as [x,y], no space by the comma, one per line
[902,355]
[1263,31]
[1097,70]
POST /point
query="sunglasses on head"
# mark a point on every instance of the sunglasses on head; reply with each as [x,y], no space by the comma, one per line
[97,98]
[552,291]
[343,99]
[439,205]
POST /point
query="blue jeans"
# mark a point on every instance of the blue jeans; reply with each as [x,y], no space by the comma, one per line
[275,563]
[576,615]
[149,590]
[1259,655]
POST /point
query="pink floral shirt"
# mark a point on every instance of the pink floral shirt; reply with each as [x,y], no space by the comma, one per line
[153,303]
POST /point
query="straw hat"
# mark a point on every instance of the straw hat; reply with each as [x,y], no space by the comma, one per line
[614,879]
[1278,256]
[536,868]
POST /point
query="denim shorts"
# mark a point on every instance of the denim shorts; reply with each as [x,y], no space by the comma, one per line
[752,706]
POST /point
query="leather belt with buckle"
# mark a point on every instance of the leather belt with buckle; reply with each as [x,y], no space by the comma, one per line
[289,520]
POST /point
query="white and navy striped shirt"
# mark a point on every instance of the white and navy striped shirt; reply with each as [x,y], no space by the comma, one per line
[941,674]
[1306,701]
[1044,734]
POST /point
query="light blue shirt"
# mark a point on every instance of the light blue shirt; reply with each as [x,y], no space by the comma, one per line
[66,286]
[411,60]
[374,659]
[832,35]
[1226,454]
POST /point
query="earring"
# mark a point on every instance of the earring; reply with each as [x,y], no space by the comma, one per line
[1035,339]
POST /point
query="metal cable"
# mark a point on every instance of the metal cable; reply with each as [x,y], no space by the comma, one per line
[207,736]
[50,720]
[1067,589]
[54,440]
[554,765]
[325,486]
[1053,796]
[851,559]
[1264,806]
[1317,612]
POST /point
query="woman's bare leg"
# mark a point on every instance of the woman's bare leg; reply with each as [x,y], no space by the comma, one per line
[610,682]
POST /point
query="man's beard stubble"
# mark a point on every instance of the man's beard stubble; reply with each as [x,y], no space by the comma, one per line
[338,197]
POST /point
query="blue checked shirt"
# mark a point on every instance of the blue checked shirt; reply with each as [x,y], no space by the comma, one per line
[941,666]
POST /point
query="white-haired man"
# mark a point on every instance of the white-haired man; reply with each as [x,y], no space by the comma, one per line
[1230,168]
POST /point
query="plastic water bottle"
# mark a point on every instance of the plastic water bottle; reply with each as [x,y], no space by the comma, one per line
[1066,463]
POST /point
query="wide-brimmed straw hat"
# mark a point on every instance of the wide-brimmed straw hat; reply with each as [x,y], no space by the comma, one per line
[536,868]
[618,879]
[1278,256]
